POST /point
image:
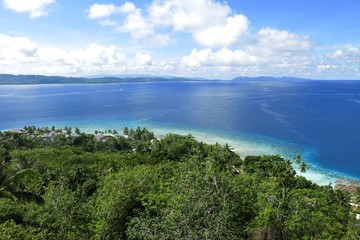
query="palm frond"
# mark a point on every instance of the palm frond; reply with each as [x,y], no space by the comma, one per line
[28,196]
[20,176]
[7,194]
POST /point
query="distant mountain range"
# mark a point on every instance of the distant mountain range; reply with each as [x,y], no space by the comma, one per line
[9,79]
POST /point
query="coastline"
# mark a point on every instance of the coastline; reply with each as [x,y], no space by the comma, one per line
[243,145]
[246,147]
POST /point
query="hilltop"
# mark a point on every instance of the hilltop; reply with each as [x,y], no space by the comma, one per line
[67,184]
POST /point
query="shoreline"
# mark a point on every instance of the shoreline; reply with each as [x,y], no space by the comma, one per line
[242,145]
[246,147]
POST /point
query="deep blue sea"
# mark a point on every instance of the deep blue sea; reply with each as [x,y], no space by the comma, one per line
[318,119]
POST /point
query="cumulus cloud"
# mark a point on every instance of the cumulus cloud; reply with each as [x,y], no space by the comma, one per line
[101,10]
[223,57]
[225,43]
[223,35]
[93,55]
[340,63]
[270,46]
[346,53]
[16,49]
[36,8]
[188,15]
[23,54]
[133,23]
[106,10]
[210,22]
[143,59]
[351,49]
[89,60]
[282,40]
[266,54]
[136,25]
[337,54]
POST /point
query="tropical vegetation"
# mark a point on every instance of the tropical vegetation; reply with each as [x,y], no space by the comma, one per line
[67,184]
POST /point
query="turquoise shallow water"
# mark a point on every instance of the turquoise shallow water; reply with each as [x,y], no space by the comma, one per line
[244,145]
[319,120]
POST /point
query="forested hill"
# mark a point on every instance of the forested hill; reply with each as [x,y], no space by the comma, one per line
[9,79]
[66,184]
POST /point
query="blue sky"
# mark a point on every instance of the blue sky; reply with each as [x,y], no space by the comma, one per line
[191,38]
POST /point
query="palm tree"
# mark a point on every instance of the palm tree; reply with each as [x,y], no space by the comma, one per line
[298,159]
[10,182]
[126,131]
[303,167]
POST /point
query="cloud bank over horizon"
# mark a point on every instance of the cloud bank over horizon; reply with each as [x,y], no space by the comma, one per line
[197,38]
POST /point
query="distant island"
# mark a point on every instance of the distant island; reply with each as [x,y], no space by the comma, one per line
[11,79]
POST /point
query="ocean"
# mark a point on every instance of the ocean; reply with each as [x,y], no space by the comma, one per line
[319,120]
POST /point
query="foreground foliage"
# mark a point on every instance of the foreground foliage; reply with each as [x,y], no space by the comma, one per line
[107,186]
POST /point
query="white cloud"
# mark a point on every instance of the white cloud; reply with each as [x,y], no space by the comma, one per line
[199,58]
[281,40]
[89,60]
[223,57]
[106,10]
[227,46]
[163,39]
[337,54]
[209,21]
[351,49]
[188,15]
[271,47]
[236,57]
[136,25]
[143,59]
[341,63]
[51,55]
[100,10]
[346,53]
[95,54]
[16,49]
[36,8]
[271,51]
[223,35]
[321,68]
[21,55]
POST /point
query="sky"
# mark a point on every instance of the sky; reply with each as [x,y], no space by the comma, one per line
[317,39]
